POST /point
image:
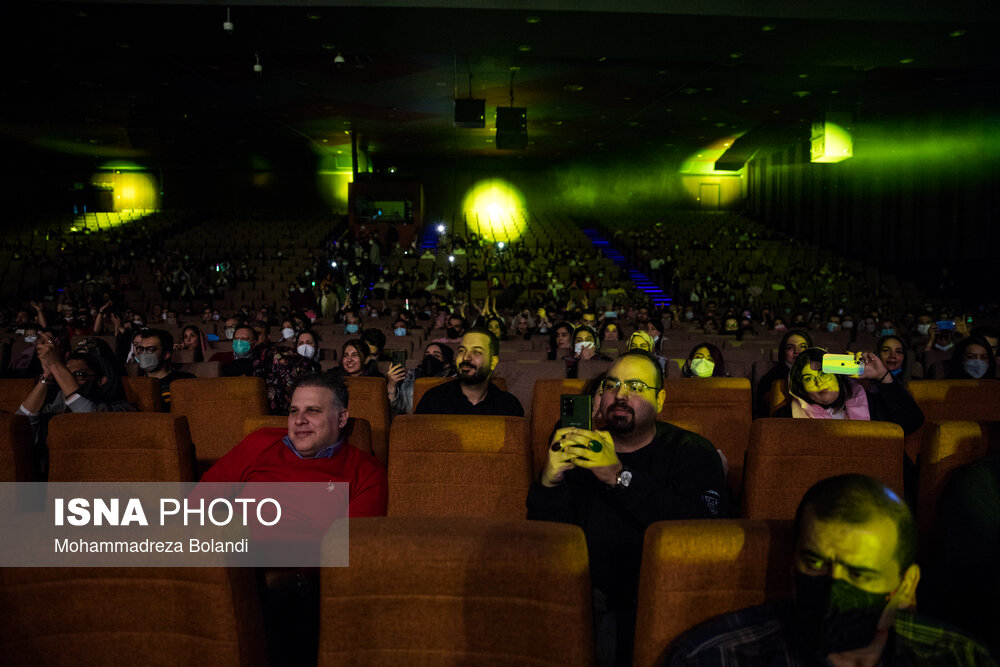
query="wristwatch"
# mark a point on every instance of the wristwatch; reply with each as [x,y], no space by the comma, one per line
[624,478]
[46,380]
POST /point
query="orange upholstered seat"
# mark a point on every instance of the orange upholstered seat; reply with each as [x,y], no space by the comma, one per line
[367,399]
[120,447]
[143,392]
[939,400]
[458,591]
[695,570]
[216,408]
[545,413]
[787,456]
[457,465]
[17,460]
[13,391]
[131,616]
[357,431]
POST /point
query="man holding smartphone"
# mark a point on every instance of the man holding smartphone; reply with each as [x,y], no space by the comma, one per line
[614,483]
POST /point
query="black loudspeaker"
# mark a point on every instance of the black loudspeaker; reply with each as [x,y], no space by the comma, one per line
[470,113]
[512,118]
[512,128]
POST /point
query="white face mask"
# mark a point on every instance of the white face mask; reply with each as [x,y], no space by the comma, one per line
[306,351]
[578,347]
[30,339]
[287,333]
[702,368]
[923,329]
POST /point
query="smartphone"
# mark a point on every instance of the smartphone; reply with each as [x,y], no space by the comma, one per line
[843,364]
[575,411]
[399,357]
[946,325]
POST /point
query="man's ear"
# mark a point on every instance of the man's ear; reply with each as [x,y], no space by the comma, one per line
[493,363]
[907,595]
[661,396]
[342,420]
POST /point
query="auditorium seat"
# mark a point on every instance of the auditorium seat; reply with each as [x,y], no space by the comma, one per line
[17,458]
[120,447]
[545,414]
[143,392]
[131,616]
[421,385]
[785,457]
[216,408]
[973,400]
[947,445]
[459,466]
[13,391]
[458,591]
[521,375]
[695,570]
[718,409]
[357,431]
[202,369]
[367,399]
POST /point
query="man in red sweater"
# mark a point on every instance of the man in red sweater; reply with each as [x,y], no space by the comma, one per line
[312,449]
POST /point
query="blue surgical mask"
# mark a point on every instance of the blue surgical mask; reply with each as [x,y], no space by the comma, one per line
[897,371]
[241,347]
[975,367]
[944,348]
[351,328]
[832,326]
[399,331]
[888,332]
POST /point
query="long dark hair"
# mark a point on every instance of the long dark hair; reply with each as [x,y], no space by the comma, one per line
[958,356]
[716,354]
[553,345]
[797,388]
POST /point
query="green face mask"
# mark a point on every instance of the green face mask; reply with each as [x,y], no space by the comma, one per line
[241,347]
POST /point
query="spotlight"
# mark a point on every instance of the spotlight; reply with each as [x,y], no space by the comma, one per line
[227,25]
[440,229]
[500,245]
[333,264]
[338,61]
[257,67]
[451,258]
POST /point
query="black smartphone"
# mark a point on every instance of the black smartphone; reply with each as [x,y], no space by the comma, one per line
[399,357]
[575,411]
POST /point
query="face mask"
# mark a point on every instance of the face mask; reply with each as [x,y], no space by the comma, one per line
[780,327]
[241,347]
[399,331]
[431,366]
[306,351]
[834,616]
[351,328]
[702,368]
[453,333]
[923,329]
[848,324]
[888,332]
[897,371]
[148,361]
[832,326]
[30,339]
[215,316]
[287,333]
[578,347]
[229,332]
[689,315]
[944,348]
[975,367]
[302,289]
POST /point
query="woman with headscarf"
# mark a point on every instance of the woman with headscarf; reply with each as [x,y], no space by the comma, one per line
[192,338]
[704,361]
[437,362]
[88,381]
[560,338]
[972,359]
[585,346]
[286,365]
[792,344]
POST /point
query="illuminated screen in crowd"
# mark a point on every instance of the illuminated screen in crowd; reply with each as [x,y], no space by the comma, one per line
[494,209]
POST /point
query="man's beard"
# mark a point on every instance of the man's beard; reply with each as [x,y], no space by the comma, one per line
[620,423]
[478,377]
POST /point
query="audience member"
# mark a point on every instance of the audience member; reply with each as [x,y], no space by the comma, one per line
[892,351]
[192,338]
[239,362]
[704,361]
[284,366]
[154,358]
[437,362]
[793,342]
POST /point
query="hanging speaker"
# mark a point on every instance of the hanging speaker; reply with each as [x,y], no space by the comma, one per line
[470,113]
[512,128]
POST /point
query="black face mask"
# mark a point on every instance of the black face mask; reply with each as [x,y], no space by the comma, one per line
[431,366]
[453,333]
[834,616]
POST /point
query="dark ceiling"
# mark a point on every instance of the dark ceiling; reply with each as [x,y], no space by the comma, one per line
[164,84]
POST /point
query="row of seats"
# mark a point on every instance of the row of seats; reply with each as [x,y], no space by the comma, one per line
[456,466]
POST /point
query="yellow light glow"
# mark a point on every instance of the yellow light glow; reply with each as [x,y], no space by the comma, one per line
[494,209]
[135,191]
[831,139]
[333,188]
[712,188]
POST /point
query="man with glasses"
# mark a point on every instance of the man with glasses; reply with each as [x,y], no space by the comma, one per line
[153,356]
[614,483]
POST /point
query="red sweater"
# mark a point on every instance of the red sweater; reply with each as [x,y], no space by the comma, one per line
[263,457]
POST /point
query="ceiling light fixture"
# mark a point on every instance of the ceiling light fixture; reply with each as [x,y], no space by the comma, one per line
[257,67]
[338,61]
[227,25]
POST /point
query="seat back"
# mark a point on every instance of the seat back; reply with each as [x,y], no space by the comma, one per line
[17,461]
[120,447]
[216,408]
[13,391]
[422,385]
[357,431]
[367,399]
[940,400]
[545,413]
[459,466]
[437,591]
[786,457]
[182,616]
[720,409]
[695,570]
[947,445]
[143,392]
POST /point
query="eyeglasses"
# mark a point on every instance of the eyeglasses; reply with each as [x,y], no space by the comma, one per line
[82,374]
[817,380]
[635,386]
[140,349]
